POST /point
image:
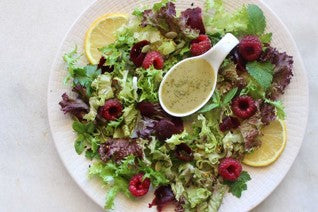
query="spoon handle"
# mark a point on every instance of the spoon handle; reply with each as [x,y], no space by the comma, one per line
[218,53]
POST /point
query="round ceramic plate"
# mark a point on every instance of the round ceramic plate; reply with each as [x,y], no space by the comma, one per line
[264,180]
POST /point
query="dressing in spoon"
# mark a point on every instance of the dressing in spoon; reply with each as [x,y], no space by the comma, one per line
[190,84]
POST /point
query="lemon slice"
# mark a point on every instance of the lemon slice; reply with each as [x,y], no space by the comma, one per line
[101,33]
[273,144]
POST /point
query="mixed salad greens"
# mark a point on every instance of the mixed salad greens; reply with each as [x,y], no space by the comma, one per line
[121,127]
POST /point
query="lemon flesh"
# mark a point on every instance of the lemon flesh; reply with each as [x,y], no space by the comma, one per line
[102,33]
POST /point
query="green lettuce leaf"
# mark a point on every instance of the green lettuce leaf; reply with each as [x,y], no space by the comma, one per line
[81,75]
[148,82]
[103,91]
[254,90]
[222,22]
[206,132]
[128,94]
[148,33]
[177,139]
[233,142]
[87,139]
[196,196]
[115,177]
[216,197]
[247,20]
[167,47]
[130,115]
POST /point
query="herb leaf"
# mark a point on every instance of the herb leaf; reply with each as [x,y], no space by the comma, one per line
[216,102]
[229,96]
[261,72]
[266,38]
[238,186]
[256,20]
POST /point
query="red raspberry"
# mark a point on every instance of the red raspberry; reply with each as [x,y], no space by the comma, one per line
[250,47]
[137,186]
[228,123]
[111,110]
[135,53]
[153,58]
[230,169]
[200,45]
[244,107]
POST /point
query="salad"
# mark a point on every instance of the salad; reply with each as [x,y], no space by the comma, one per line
[135,146]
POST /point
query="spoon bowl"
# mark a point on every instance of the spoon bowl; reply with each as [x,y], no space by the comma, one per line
[190,84]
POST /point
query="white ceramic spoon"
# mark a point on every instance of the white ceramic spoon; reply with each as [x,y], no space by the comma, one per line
[214,57]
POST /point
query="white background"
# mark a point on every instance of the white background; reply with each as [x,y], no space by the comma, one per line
[32,177]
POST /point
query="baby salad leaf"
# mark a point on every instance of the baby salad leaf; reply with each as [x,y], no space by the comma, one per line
[256,20]
[261,72]
[238,186]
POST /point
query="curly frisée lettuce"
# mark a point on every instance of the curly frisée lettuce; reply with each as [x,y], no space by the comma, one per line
[180,156]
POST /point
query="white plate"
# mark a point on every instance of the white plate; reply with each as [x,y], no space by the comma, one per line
[264,180]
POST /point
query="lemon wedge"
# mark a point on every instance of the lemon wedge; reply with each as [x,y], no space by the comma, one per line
[102,33]
[273,144]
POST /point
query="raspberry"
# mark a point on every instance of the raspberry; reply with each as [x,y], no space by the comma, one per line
[153,58]
[111,110]
[200,45]
[228,123]
[244,107]
[137,186]
[250,47]
[230,169]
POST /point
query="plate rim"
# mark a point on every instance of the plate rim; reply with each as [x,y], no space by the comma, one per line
[264,5]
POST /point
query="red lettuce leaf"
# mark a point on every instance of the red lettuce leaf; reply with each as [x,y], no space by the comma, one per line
[250,129]
[165,125]
[165,20]
[75,107]
[282,71]
[163,196]
[118,149]
[193,17]
[82,93]
[104,68]
[145,128]
[267,113]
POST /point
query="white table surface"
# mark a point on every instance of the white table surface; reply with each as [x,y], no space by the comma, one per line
[32,177]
